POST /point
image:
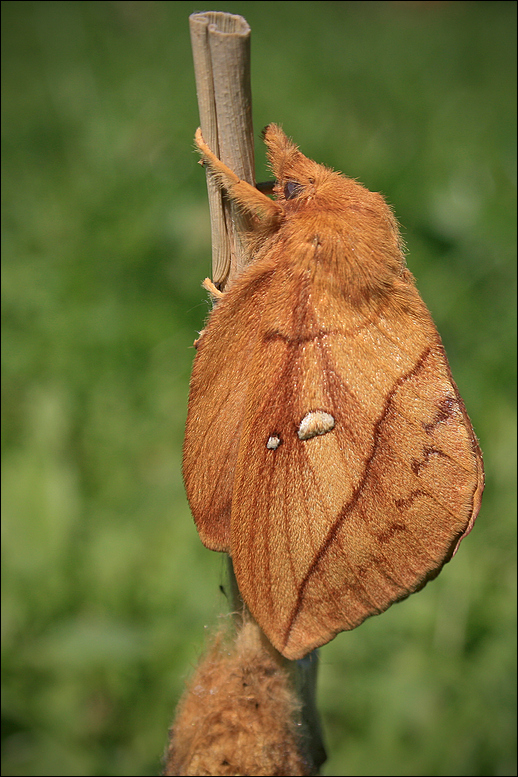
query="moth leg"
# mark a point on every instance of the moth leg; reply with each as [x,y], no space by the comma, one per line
[212,289]
[244,195]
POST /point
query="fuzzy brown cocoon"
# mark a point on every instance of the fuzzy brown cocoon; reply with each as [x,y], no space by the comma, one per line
[239,714]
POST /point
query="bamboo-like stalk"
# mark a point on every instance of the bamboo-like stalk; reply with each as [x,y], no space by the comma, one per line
[221,52]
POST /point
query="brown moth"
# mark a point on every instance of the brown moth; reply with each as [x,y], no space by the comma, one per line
[327,448]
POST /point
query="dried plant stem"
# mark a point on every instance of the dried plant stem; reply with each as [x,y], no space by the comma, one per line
[221,52]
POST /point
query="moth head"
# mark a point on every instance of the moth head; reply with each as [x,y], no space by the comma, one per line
[300,179]
[361,218]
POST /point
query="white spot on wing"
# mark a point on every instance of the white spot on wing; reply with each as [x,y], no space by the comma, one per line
[273,442]
[315,423]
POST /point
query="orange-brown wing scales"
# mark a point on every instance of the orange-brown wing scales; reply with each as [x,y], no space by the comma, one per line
[218,390]
[329,530]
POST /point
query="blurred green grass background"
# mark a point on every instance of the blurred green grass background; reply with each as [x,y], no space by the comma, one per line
[107,589]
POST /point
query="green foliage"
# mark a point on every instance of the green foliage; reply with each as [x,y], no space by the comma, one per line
[105,241]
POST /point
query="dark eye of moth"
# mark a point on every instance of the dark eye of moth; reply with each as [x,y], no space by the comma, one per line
[292,189]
